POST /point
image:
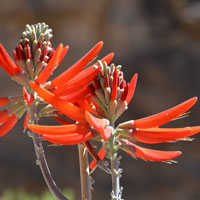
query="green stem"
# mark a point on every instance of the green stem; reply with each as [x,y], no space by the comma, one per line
[41,160]
[115,170]
[84,173]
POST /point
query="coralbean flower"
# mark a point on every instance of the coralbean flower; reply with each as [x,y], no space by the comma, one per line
[102,103]
[35,60]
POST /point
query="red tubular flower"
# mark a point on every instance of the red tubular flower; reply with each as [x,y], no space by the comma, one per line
[95,122]
[148,154]
[27,97]
[4,101]
[14,109]
[84,104]
[8,125]
[78,84]
[78,66]
[7,63]
[4,116]
[159,135]
[146,130]
[114,85]
[100,125]
[26,120]
[69,139]
[160,118]
[101,154]
[53,63]
[59,130]
[79,94]
[106,132]
[165,116]
[91,69]
[132,87]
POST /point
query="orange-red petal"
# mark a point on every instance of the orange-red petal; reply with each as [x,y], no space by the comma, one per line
[62,55]
[159,135]
[4,66]
[106,132]
[4,116]
[83,103]
[95,122]
[69,139]
[47,71]
[8,125]
[78,66]
[77,95]
[26,121]
[101,155]
[149,154]
[155,155]
[91,69]
[7,60]
[59,130]
[4,101]
[76,84]
[27,97]
[70,110]
[132,87]
[165,116]
[114,86]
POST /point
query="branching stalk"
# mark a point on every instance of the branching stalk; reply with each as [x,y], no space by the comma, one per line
[84,173]
[41,160]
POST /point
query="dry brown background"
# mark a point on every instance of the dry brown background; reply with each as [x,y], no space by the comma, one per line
[158,39]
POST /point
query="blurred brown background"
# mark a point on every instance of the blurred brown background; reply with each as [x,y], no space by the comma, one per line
[158,39]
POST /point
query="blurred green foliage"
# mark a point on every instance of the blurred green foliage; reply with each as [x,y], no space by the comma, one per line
[22,194]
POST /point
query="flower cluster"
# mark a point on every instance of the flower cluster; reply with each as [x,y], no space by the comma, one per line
[92,97]
[35,60]
[98,104]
